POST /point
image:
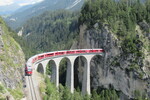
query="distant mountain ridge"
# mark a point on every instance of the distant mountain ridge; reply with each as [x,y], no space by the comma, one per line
[20,16]
[8,9]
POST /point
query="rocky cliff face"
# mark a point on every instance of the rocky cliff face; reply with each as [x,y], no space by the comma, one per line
[114,69]
[11,61]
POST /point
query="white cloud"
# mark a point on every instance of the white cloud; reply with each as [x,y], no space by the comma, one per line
[24,4]
[29,2]
[6,2]
[19,2]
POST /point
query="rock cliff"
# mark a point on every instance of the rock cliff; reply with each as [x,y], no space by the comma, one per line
[114,70]
[11,61]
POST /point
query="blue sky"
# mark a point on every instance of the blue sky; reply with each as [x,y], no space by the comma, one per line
[19,2]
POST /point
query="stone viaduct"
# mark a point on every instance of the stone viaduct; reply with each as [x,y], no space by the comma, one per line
[40,66]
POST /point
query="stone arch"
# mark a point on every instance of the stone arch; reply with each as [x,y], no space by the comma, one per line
[40,68]
[51,66]
[79,64]
[96,66]
[64,67]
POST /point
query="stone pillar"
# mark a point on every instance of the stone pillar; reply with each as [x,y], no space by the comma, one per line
[86,89]
[34,67]
[45,63]
[57,61]
[86,80]
[57,74]
[53,74]
[70,73]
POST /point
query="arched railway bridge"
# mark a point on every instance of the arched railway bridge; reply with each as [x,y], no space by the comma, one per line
[40,61]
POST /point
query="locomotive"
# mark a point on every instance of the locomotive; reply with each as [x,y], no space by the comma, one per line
[28,70]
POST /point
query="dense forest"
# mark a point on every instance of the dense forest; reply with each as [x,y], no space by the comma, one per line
[51,31]
[59,29]
[122,17]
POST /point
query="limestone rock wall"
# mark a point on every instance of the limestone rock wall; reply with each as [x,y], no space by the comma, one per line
[112,70]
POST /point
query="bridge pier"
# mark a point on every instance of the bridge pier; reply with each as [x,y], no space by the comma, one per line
[57,75]
[53,74]
[86,76]
[57,61]
[70,73]
[45,63]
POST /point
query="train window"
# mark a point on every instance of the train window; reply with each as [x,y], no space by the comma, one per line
[58,53]
[102,51]
[91,51]
[78,51]
[40,57]
[61,52]
[29,69]
[50,54]
[96,50]
[83,51]
[68,52]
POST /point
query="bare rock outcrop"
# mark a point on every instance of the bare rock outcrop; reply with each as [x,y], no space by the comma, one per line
[113,70]
[12,60]
[1,41]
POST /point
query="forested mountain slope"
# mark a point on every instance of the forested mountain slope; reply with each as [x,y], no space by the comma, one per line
[51,30]
[121,28]
[11,63]
[18,18]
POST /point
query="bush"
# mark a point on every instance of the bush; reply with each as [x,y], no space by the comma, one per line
[16,93]
[64,93]
[1,89]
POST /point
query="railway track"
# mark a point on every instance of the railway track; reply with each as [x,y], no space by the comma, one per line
[32,89]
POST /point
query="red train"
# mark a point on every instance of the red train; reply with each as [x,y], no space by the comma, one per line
[28,70]
[70,52]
